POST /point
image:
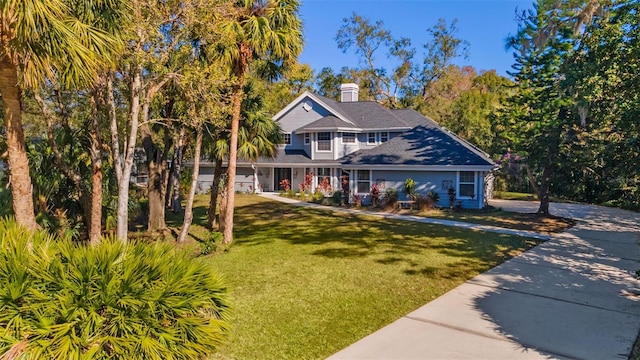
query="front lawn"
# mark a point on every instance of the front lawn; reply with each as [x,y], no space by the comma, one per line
[306,283]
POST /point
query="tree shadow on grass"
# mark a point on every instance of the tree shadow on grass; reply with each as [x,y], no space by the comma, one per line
[386,241]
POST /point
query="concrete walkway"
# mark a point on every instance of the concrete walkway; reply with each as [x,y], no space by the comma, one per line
[572,297]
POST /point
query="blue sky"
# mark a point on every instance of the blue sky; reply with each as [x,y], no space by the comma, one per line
[483,23]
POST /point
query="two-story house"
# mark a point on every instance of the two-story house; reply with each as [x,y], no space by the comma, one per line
[365,144]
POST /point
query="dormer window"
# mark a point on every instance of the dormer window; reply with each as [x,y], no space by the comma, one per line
[371,138]
[307,138]
[348,138]
[324,141]
[286,139]
[384,136]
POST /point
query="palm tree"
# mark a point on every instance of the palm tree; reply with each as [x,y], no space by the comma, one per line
[39,40]
[258,136]
[267,29]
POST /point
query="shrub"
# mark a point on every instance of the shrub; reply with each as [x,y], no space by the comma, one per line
[63,300]
[424,203]
[375,194]
[336,198]
[325,186]
[434,196]
[306,185]
[285,184]
[410,188]
[452,197]
[318,195]
[391,196]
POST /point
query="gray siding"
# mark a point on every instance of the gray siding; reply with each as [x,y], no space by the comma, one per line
[322,155]
[425,181]
[298,116]
[345,149]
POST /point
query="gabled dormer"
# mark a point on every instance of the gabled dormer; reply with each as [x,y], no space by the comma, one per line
[314,124]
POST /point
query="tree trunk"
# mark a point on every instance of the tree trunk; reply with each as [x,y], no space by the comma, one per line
[215,191]
[155,164]
[95,219]
[188,212]
[20,179]
[542,189]
[223,210]
[155,181]
[240,72]
[175,201]
[168,143]
[122,210]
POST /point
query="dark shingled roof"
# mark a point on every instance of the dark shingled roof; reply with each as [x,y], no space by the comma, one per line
[414,118]
[287,156]
[367,114]
[423,145]
[328,122]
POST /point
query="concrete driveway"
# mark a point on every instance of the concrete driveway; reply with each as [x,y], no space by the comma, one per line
[572,297]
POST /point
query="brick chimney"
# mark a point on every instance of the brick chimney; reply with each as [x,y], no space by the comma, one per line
[349,92]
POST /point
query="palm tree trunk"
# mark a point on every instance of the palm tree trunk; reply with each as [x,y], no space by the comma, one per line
[240,72]
[95,218]
[21,188]
[188,212]
[215,191]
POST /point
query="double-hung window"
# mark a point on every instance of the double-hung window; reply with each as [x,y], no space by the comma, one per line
[307,138]
[364,181]
[348,138]
[384,136]
[321,174]
[467,184]
[286,139]
[324,141]
[371,138]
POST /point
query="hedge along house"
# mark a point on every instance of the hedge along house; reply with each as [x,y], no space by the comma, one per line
[364,144]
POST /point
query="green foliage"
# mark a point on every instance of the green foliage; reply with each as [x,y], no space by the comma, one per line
[56,197]
[336,198]
[5,194]
[63,300]
[434,196]
[573,120]
[409,188]
[452,197]
[391,196]
[211,243]
[318,195]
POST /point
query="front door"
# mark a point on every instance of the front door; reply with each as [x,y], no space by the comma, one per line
[280,174]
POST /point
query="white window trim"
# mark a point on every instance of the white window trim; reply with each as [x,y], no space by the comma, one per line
[284,142]
[357,182]
[380,136]
[375,137]
[355,138]
[475,186]
[318,142]
[307,138]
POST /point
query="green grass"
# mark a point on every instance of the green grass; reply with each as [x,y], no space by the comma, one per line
[306,283]
[507,195]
